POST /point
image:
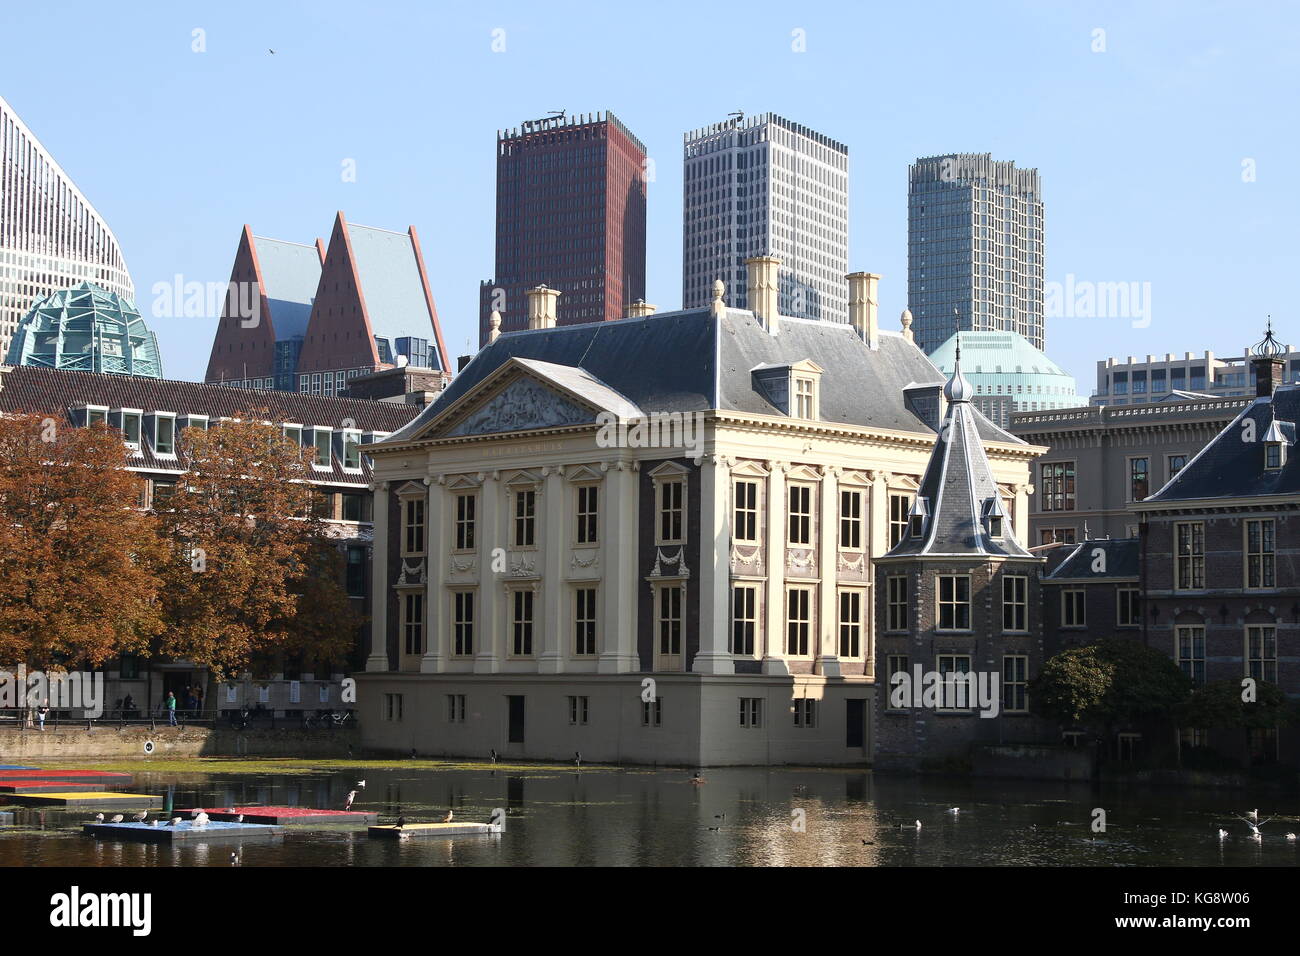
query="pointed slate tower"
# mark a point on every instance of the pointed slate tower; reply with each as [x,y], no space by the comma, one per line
[957,608]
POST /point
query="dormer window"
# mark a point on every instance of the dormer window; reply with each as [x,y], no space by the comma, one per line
[805,397]
[96,415]
[165,435]
[132,420]
[1275,442]
[994,515]
[322,439]
[916,517]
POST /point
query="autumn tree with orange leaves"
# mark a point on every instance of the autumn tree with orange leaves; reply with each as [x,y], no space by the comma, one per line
[78,558]
[249,573]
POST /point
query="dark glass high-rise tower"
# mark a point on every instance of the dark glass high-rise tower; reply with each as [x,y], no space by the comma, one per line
[571,215]
[975,244]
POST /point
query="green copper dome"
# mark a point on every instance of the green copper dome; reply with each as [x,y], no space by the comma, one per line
[1005,363]
[87,329]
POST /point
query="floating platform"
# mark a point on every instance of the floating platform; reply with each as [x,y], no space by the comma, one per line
[48,786]
[184,832]
[291,816]
[14,766]
[85,799]
[421,830]
[69,776]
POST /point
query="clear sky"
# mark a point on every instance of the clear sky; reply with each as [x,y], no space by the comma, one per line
[1168,143]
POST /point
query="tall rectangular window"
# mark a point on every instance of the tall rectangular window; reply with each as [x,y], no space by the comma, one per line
[584,622]
[745,521]
[751,712]
[851,520]
[578,710]
[1259,553]
[954,690]
[670,621]
[588,513]
[466,507]
[165,439]
[744,619]
[799,509]
[413,525]
[850,623]
[1189,555]
[652,712]
[1261,652]
[896,603]
[413,621]
[798,621]
[1139,478]
[522,623]
[1015,602]
[1015,683]
[462,623]
[1073,608]
[525,523]
[1058,486]
[131,428]
[1190,643]
[805,712]
[455,708]
[899,506]
[356,572]
[322,439]
[1128,607]
[805,397]
[352,450]
[954,602]
[671,498]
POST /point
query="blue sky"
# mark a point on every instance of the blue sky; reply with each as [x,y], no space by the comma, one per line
[1141,146]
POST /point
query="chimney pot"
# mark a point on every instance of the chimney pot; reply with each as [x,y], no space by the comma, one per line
[864,306]
[541,307]
[762,272]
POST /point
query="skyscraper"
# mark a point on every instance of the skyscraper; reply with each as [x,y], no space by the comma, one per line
[571,198]
[766,186]
[51,237]
[975,244]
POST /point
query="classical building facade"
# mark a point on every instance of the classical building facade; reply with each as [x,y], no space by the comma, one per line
[152,415]
[1102,460]
[959,608]
[51,237]
[651,540]
[311,318]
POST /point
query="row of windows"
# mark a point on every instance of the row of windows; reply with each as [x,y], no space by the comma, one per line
[800,601]
[953,602]
[1259,557]
[1259,652]
[952,692]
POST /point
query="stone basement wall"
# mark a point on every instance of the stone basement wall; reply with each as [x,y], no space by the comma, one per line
[75,741]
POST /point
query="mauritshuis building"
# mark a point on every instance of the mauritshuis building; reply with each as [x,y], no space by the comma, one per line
[555,583]
[975,245]
[51,237]
[570,215]
[766,186]
[312,318]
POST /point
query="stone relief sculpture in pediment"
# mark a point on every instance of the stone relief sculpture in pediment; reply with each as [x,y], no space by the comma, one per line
[523,404]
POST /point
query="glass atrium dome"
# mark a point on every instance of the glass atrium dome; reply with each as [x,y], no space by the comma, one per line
[87,329]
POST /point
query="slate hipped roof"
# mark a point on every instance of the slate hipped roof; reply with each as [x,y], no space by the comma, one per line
[693,361]
[958,492]
[1119,560]
[1231,466]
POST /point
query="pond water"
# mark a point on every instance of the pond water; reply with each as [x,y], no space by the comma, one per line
[595,816]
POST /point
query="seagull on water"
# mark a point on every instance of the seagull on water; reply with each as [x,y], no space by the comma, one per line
[698,779]
[1290,836]
[175,821]
[352,795]
[868,842]
[954,810]
[200,818]
[1254,827]
[447,818]
[910,826]
[1223,834]
[359,785]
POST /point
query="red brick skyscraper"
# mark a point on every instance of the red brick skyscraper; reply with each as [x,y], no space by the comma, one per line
[571,199]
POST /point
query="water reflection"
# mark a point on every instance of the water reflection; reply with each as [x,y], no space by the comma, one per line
[741,816]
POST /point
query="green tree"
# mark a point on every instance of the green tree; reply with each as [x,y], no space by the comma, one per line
[1109,683]
[1219,705]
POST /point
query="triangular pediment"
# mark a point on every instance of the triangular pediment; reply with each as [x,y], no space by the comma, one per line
[522,404]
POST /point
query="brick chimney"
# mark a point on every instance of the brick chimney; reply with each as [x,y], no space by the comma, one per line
[762,290]
[541,307]
[639,309]
[863,306]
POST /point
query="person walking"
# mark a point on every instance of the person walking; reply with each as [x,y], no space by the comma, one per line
[171,708]
[41,711]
